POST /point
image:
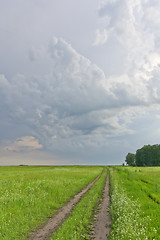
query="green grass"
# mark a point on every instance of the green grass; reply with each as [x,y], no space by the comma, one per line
[135,209]
[78,225]
[28,195]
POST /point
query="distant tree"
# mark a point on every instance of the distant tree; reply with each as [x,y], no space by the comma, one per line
[148,155]
[130,159]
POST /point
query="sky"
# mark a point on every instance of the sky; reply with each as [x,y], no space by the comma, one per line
[79,80]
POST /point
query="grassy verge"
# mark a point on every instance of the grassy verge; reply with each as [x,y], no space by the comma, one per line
[78,225]
[134,214]
[28,195]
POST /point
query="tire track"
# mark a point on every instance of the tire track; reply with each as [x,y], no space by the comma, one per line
[45,232]
[103,222]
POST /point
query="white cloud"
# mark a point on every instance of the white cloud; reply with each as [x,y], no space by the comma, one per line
[101,37]
[134,25]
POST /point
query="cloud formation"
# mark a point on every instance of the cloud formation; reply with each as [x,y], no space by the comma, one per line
[70,105]
[134,25]
[74,104]
[53,95]
[23,144]
[101,37]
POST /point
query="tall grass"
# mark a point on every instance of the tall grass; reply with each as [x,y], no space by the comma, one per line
[28,195]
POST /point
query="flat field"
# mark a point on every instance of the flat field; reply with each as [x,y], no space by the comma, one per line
[135,203]
[28,195]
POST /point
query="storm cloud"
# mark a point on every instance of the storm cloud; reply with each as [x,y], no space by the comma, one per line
[64,103]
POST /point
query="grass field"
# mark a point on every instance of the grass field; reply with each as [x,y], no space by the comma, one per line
[135,198]
[28,195]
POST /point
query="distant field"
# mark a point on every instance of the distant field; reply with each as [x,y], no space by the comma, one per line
[135,198]
[28,195]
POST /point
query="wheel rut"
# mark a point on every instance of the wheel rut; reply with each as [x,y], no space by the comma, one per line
[102,225]
[46,231]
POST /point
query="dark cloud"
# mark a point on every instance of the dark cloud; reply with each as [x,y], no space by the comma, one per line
[70,106]
[68,102]
[59,97]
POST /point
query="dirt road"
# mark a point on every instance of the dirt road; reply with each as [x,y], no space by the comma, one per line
[53,223]
[103,221]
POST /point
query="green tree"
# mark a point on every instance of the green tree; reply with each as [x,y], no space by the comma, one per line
[130,159]
[148,155]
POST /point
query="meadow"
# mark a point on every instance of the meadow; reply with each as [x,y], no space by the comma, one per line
[29,195]
[135,203]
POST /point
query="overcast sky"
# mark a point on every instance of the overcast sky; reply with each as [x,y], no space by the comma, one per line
[79,80]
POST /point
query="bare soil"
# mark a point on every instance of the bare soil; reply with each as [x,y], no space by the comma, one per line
[103,222]
[46,231]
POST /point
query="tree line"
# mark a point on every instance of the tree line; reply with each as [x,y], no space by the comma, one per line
[148,155]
